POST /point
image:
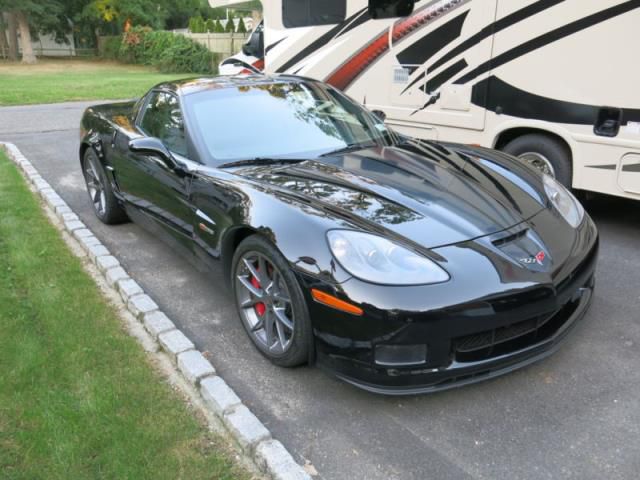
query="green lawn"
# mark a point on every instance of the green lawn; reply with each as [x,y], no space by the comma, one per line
[52,81]
[78,396]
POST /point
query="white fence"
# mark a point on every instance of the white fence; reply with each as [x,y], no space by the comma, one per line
[225,44]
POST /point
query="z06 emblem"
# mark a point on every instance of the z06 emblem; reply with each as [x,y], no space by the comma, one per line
[538,258]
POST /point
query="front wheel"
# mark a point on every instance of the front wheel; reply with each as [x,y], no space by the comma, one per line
[270,302]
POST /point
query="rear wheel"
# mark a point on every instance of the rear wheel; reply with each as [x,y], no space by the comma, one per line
[105,204]
[543,153]
[270,302]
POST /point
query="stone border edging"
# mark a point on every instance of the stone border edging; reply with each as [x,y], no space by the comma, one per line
[254,438]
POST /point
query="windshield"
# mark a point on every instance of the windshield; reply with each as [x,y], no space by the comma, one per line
[279,120]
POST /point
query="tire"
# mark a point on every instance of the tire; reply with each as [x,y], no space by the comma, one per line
[547,149]
[292,348]
[105,204]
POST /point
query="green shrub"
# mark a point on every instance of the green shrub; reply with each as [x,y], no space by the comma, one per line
[197,25]
[230,27]
[168,52]
[242,28]
[219,28]
[211,26]
[111,46]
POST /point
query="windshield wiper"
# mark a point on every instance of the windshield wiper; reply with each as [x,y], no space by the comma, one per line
[351,147]
[261,161]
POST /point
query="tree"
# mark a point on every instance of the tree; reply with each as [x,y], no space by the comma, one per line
[8,26]
[197,25]
[242,28]
[25,34]
[229,27]
[210,25]
[27,14]
[219,28]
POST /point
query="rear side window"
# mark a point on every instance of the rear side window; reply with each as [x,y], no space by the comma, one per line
[162,118]
[306,13]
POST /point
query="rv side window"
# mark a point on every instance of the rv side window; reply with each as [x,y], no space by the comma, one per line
[390,8]
[306,13]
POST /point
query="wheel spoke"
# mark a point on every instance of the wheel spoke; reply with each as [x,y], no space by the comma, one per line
[258,326]
[94,171]
[262,270]
[282,318]
[250,302]
[96,196]
[252,269]
[281,296]
[281,336]
[268,329]
[257,292]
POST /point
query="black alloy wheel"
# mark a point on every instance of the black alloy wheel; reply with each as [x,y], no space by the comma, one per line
[270,302]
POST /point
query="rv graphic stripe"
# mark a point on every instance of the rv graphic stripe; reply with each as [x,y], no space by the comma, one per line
[274,44]
[425,48]
[357,64]
[496,27]
[447,74]
[430,44]
[548,38]
[362,18]
[318,43]
[495,94]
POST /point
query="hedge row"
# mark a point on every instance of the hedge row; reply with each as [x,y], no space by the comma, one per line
[168,52]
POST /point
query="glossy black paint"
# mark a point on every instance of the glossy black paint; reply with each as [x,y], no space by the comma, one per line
[476,212]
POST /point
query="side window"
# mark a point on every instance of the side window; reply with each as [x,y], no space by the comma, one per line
[306,13]
[162,118]
[390,8]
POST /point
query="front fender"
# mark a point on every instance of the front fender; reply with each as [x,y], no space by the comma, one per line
[239,208]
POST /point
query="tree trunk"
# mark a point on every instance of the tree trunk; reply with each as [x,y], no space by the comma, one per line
[25,38]
[12,30]
[4,46]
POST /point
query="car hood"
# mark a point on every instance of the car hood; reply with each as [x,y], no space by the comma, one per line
[426,192]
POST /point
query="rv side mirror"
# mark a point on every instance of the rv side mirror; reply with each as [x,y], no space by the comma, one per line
[390,8]
[255,46]
[380,115]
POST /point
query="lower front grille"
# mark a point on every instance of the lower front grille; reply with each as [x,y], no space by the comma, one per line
[507,339]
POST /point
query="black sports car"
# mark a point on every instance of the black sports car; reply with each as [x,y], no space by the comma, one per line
[403,266]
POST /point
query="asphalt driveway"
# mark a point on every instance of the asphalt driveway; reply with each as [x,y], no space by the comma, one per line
[574,415]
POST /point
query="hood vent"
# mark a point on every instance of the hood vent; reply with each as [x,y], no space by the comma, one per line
[510,237]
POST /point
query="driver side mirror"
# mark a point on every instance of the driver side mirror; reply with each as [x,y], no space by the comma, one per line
[153,146]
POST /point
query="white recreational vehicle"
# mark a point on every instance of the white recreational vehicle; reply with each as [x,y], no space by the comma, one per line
[554,82]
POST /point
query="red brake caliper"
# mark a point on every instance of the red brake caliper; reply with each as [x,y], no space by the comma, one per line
[260,308]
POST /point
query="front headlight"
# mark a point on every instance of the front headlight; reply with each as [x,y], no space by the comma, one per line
[564,201]
[377,260]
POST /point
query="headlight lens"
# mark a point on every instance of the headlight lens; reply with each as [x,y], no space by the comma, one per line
[378,260]
[564,201]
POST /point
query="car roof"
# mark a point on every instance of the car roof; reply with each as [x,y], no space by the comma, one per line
[189,86]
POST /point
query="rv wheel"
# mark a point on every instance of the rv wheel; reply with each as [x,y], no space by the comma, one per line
[544,153]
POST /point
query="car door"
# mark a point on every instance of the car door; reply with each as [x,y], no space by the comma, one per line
[155,188]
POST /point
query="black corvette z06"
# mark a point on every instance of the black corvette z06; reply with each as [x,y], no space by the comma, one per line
[403,266]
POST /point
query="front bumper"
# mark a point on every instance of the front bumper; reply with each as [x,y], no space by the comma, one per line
[457,374]
[473,330]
